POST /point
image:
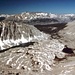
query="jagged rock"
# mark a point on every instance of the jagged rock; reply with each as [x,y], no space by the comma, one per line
[68,50]
[13,33]
[37,57]
[44,18]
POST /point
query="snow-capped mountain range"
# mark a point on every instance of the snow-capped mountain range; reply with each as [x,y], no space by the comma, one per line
[27,16]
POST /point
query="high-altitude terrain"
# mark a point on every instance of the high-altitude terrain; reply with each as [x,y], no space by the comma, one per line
[34,43]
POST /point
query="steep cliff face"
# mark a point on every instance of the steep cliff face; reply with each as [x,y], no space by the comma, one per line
[12,34]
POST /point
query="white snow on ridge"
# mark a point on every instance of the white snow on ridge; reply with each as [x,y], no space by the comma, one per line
[35,15]
[11,42]
[66,15]
[53,15]
[60,17]
[5,15]
[41,14]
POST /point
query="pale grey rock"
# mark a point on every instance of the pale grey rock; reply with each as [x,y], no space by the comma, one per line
[13,34]
[68,35]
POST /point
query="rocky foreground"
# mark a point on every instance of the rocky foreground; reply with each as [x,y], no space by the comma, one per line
[25,50]
[23,47]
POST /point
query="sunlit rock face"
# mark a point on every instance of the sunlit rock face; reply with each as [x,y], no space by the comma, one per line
[12,34]
[68,35]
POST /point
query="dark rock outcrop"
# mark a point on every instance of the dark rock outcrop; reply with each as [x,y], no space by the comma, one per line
[2,18]
[68,50]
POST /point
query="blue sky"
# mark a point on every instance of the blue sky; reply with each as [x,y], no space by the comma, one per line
[53,6]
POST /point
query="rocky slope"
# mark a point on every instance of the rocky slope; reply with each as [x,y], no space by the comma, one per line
[25,50]
[68,35]
[13,34]
[34,59]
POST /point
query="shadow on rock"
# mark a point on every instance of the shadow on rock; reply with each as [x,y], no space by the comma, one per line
[21,45]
